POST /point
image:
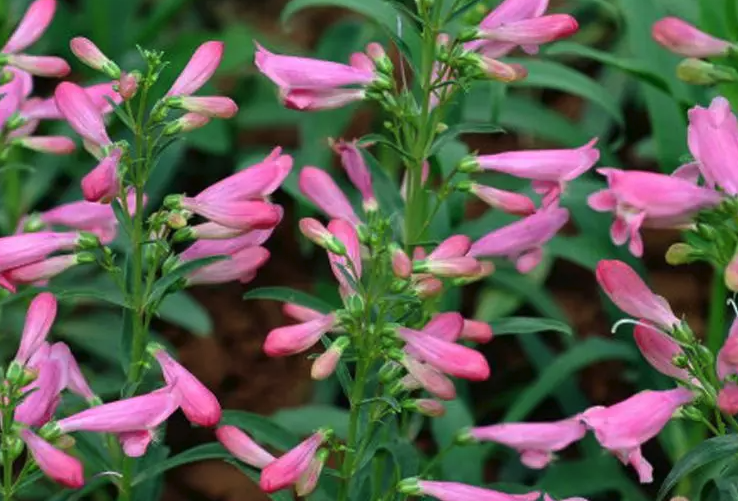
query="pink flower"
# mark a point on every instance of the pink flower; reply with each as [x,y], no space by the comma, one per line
[41,271]
[144,412]
[713,140]
[186,123]
[508,11]
[102,184]
[242,266]
[536,442]
[321,99]
[20,250]
[684,39]
[255,182]
[298,338]
[128,86]
[87,52]
[530,33]
[623,427]
[423,375]
[727,357]
[319,235]
[43,394]
[199,69]
[454,491]
[629,293]
[506,201]
[74,380]
[43,66]
[641,198]
[243,215]
[476,331]
[451,358]
[522,240]
[446,326]
[57,145]
[39,319]
[197,402]
[464,266]
[81,113]
[358,171]
[348,265]
[325,365]
[300,313]
[243,447]
[308,481]
[727,400]
[453,247]
[135,443]
[402,266]
[57,465]
[87,216]
[503,72]
[46,109]
[288,469]
[660,350]
[209,106]
[37,18]
[320,189]
[225,247]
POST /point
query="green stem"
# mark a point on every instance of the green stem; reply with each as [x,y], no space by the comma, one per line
[716,319]
[357,395]
[437,459]
[7,458]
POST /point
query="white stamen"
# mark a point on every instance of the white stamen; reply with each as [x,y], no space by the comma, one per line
[626,321]
[730,302]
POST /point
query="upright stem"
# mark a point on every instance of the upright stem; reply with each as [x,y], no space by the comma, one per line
[7,419]
[716,322]
[357,395]
[139,325]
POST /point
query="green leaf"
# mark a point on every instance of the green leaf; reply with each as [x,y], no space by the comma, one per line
[215,138]
[463,128]
[121,114]
[709,451]
[528,325]
[289,295]
[385,189]
[261,429]
[305,420]
[182,310]
[199,453]
[462,464]
[161,286]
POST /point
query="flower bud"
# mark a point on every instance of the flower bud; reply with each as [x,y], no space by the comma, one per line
[88,241]
[425,406]
[681,253]
[731,274]
[428,287]
[326,363]
[176,220]
[389,372]
[184,235]
[355,305]
[319,235]
[15,447]
[697,72]
[186,123]
[92,56]
[128,85]
[469,164]
[309,479]
[173,202]
[402,266]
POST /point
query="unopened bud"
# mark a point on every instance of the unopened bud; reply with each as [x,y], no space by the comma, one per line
[402,266]
[326,363]
[698,72]
[680,253]
[428,287]
[33,223]
[176,220]
[89,54]
[355,305]
[85,258]
[486,268]
[15,373]
[173,202]
[426,406]
[319,235]
[128,85]
[469,164]
[184,235]
[186,123]
[15,447]
[389,372]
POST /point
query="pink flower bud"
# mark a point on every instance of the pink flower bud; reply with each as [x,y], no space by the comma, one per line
[429,378]
[103,184]
[319,235]
[294,339]
[308,481]
[530,33]
[476,331]
[451,358]
[42,66]
[81,113]
[402,266]
[325,365]
[243,447]
[197,402]
[502,72]
[186,123]
[449,267]
[214,231]
[57,145]
[428,287]
[453,491]
[57,465]
[626,289]
[321,99]
[357,169]
[512,203]
[34,23]
[42,270]
[128,86]
[684,39]
[446,326]
[320,189]
[92,56]
[209,106]
[452,247]
[300,313]
[660,350]
[39,319]
[288,469]
[426,406]
[23,249]
[242,215]
[242,266]
[727,399]
[199,69]
[348,265]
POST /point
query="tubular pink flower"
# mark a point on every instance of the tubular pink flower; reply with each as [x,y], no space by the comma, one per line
[255,182]
[241,215]
[242,266]
[402,266]
[660,350]
[727,399]
[357,169]
[287,469]
[321,99]
[39,319]
[451,358]
[197,402]
[102,184]
[320,189]
[429,378]
[509,11]
[57,465]
[35,21]
[39,405]
[20,250]
[100,93]
[199,69]
[349,264]
[308,481]
[452,247]
[506,201]
[502,72]
[535,442]
[713,140]
[74,379]
[317,233]
[81,113]
[300,313]
[623,427]
[629,293]
[209,106]
[727,356]
[428,287]
[641,198]
[522,240]
[476,331]
[446,326]
[530,33]
[290,72]
[243,447]
[58,145]
[87,52]
[684,39]
[37,109]
[42,270]
[546,497]
[226,247]
[464,266]
[453,491]
[135,443]
[86,216]
[294,339]
[144,412]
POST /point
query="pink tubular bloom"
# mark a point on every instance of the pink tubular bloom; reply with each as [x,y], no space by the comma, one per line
[39,319]
[81,113]
[42,270]
[293,339]
[522,240]
[197,402]
[727,357]
[34,23]
[85,216]
[199,69]
[208,106]
[327,362]
[225,247]
[288,469]
[241,215]
[451,358]
[74,379]
[57,145]
[684,39]
[87,52]
[453,491]
[349,264]
[43,394]
[242,266]
[629,293]
[23,249]
[144,412]
[429,378]
[135,443]
[660,350]
[535,442]
[623,427]
[243,447]
[476,331]
[300,313]
[453,247]
[727,400]
[464,266]
[321,99]
[531,33]
[402,266]
[713,140]
[57,465]
[509,11]
[446,326]
[320,189]
[102,184]
[358,171]
[506,201]
[648,199]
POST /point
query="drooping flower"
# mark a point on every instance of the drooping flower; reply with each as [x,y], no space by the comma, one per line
[507,12]
[522,241]
[682,38]
[39,319]
[57,465]
[243,447]
[244,215]
[103,184]
[535,442]
[426,376]
[506,201]
[622,428]
[293,339]
[320,189]
[41,271]
[23,249]
[241,266]
[454,491]
[530,33]
[81,112]
[660,351]
[199,69]
[648,199]
[713,140]
[358,171]
[325,365]
[225,247]
[288,468]
[453,359]
[74,379]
